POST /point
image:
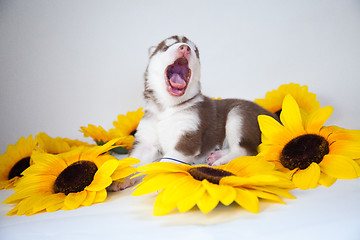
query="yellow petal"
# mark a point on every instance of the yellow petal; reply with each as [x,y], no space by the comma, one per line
[357,161]
[123,173]
[129,161]
[247,165]
[37,183]
[335,133]
[258,165]
[99,182]
[98,150]
[36,204]
[90,198]
[276,190]
[191,200]
[326,180]
[341,167]
[100,196]
[307,178]
[247,200]
[53,164]
[181,189]
[102,177]
[258,180]
[317,119]
[52,202]
[267,196]
[72,156]
[273,131]
[108,167]
[25,206]
[291,117]
[236,181]
[223,193]
[74,200]
[207,203]
[13,211]
[162,207]
[103,158]
[156,183]
[350,149]
[29,186]
[55,206]
[52,145]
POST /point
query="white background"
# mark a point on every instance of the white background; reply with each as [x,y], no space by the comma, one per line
[66,64]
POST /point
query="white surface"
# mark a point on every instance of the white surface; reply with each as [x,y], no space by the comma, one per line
[66,64]
[323,213]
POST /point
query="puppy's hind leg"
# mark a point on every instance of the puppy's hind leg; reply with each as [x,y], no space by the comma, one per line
[233,130]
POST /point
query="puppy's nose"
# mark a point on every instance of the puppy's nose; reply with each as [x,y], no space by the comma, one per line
[184,49]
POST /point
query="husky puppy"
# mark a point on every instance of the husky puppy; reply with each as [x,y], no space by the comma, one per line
[181,123]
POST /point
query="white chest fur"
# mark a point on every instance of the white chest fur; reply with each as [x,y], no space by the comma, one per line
[172,125]
[160,131]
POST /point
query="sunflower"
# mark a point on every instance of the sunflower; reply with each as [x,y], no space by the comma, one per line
[125,129]
[15,160]
[68,180]
[273,100]
[127,124]
[307,151]
[243,180]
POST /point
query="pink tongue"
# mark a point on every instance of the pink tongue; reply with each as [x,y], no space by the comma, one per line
[177,82]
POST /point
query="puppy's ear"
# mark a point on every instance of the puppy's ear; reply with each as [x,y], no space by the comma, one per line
[151,50]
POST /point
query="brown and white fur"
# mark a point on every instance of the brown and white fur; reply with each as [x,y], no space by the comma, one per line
[181,123]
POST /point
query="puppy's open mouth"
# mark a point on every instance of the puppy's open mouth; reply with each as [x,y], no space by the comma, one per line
[177,76]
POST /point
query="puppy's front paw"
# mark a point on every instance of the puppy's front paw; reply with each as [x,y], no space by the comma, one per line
[117,186]
[212,160]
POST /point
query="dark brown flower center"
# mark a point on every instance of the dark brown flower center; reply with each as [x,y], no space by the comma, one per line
[213,175]
[75,177]
[301,151]
[19,167]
